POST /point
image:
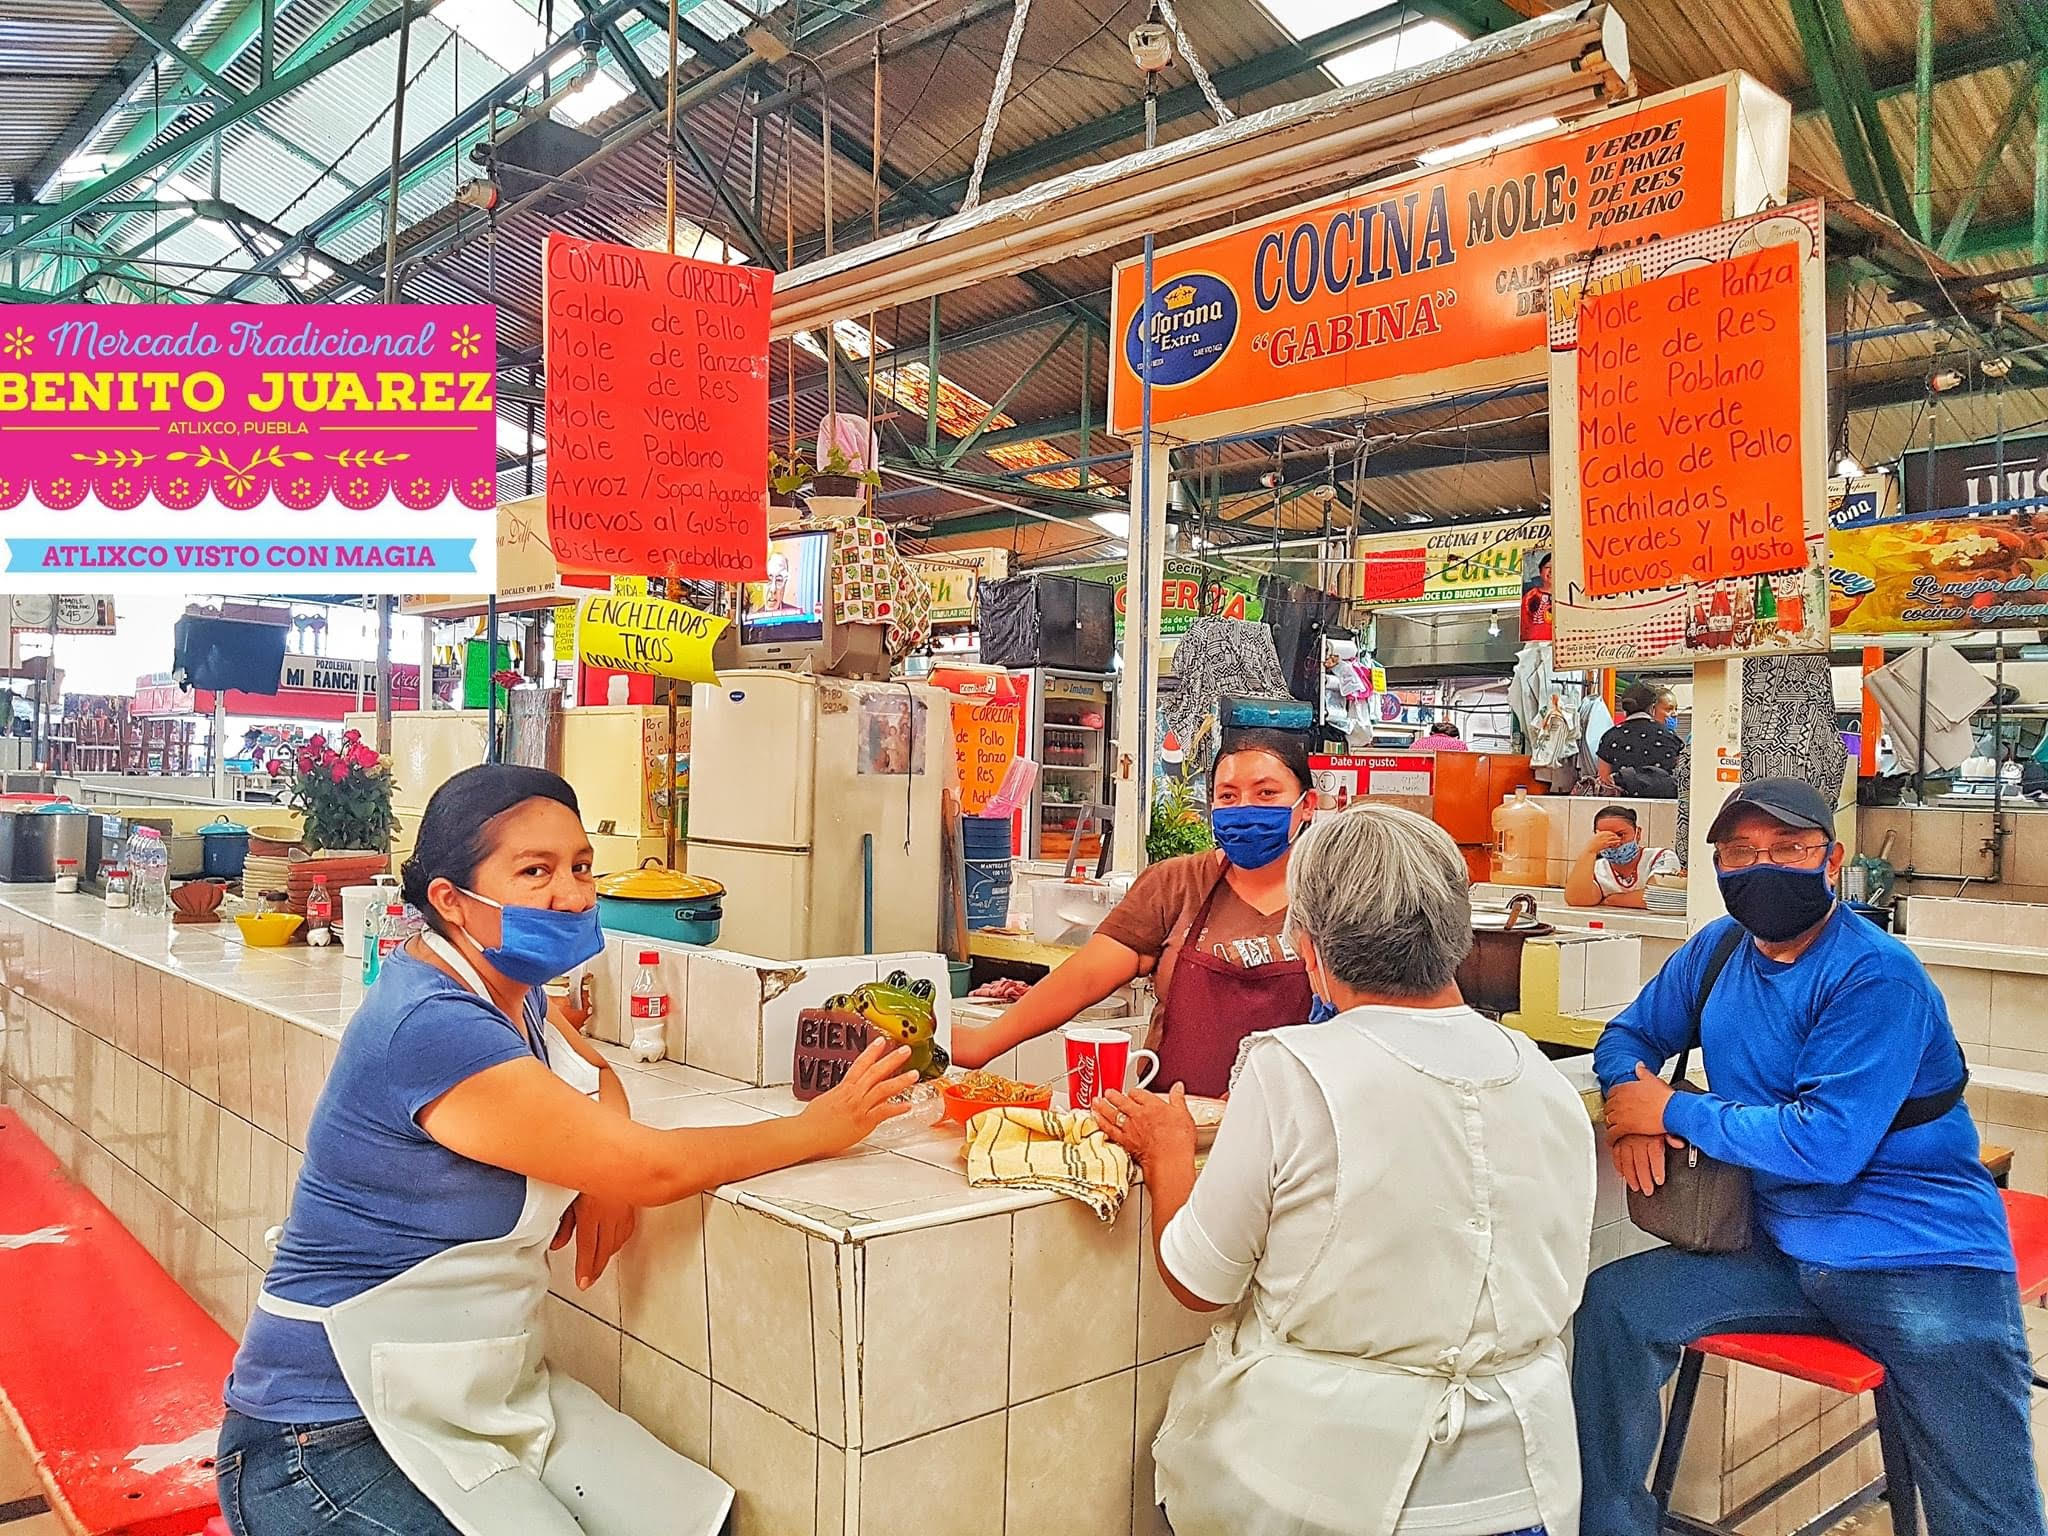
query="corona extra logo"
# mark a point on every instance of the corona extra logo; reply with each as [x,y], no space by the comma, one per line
[1186,328]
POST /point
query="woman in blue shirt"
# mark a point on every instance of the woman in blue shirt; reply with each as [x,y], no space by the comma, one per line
[392,1378]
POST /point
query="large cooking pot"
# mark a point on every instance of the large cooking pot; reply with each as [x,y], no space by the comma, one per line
[657,902]
[224,849]
[1490,977]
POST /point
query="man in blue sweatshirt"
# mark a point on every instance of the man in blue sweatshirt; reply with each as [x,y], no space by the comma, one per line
[1837,1082]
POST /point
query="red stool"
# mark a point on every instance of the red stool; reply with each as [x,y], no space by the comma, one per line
[1831,1363]
[217,1526]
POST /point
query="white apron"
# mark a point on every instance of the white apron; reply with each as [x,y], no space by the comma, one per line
[1451,1270]
[446,1363]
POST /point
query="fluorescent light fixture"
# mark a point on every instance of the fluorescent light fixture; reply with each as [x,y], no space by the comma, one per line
[1558,65]
[1487,141]
[1116,524]
[512,438]
[855,340]
[81,166]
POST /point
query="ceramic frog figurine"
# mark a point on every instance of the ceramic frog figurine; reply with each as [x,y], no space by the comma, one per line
[901,1009]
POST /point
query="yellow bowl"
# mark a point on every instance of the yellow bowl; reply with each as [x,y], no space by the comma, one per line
[268,930]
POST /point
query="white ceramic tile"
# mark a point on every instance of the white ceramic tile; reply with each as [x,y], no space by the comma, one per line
[945,1484]
[1070,1461]
[846,1188]
[724,997]
[203,1010]
[833,1304]
[662,1283]
[671,1400]
[1155,1385]
[2019,1010]
[1074,1306]
[1613,971]
[771,1464]
[149,1015]
[267,1071]
[832,1490]
[760,1311]
[177,1030]
[583,1347]
[305,1074]
[270,1192]
[1697,1491]
[231,1200]
[1165,1327]
[698,1111]
[1755,1405]
[609,980]
[233,1028]
[941,1294]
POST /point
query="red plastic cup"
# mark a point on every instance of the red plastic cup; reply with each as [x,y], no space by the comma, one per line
[1099,1060]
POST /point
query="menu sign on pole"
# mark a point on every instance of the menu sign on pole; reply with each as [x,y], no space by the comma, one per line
[657,413]
[1689,437]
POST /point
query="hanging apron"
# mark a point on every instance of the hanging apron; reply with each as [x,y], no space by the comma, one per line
[1213,1005]
[1265,1436]
[446,1362]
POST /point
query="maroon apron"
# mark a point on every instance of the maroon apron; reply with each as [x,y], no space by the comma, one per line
[1213,1005]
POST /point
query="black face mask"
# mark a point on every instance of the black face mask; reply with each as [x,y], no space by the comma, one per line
[1775,903]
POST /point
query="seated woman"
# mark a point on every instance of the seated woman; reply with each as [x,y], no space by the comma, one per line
[1402,1200]
[1614,867]
[392,1378]
[1208,928]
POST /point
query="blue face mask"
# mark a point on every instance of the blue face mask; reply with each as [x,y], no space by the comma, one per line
[1624,853]
[1320,1008]
[537,944]
[1253,836]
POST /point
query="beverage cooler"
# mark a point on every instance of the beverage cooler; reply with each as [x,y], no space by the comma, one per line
[1071,717]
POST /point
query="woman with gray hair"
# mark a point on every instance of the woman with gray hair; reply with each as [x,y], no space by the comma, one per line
[1399,1210]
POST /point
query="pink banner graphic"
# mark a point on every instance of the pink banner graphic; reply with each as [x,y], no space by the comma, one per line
[154,441]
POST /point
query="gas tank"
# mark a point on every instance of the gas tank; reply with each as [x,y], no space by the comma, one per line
[1521,833]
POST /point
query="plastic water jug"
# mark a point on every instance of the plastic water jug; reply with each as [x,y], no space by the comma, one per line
[1521,833]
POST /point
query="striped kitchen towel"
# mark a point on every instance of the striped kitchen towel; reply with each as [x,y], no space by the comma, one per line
[1049,1149]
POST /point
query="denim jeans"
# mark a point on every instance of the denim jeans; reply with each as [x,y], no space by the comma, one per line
[1950,1339]
[290,1479]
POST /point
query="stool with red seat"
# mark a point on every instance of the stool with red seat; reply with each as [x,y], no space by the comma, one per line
[1830,1363]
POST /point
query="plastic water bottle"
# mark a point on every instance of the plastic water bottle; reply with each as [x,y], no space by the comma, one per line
[150,865]
[649,1009]
[382,934]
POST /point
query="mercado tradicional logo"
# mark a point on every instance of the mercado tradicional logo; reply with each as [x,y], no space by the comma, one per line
[1192,322]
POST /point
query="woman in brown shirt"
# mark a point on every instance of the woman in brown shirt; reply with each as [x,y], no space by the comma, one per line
[1207,927]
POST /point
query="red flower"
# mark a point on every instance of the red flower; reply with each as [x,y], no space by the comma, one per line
[351,736]
[274,767]
[318,743]
[363,757]
[339,771]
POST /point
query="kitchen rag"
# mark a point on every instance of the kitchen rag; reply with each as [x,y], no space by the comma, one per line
[1049,1149]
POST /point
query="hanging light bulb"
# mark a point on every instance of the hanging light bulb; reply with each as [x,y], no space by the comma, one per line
[1847,467]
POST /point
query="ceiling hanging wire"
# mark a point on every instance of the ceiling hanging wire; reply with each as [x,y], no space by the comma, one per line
[996,97]
[397,170]
[1187,49]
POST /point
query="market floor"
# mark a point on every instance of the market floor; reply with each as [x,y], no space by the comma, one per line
[18,1486]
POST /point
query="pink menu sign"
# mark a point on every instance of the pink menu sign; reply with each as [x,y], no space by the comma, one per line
[248,448]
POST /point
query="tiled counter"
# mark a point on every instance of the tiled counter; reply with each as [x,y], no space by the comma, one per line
[861,1345]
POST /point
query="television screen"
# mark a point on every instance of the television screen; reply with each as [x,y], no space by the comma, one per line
[789,605]
[222,654]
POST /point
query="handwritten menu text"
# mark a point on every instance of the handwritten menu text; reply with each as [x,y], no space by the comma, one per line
[657,423]
[1690,464]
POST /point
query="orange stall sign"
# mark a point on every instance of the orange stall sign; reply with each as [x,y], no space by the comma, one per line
[1411,277]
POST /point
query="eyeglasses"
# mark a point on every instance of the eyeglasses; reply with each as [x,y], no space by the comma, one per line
[1786,855]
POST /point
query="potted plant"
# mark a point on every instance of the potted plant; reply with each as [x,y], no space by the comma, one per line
[842,477]
[342,788]
[1178,825]
[787,476]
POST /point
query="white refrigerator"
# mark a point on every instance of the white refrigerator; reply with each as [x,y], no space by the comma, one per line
[789,773]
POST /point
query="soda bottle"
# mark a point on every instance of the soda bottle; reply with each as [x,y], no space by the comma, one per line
[382,936]
[649,1009]
[319,914]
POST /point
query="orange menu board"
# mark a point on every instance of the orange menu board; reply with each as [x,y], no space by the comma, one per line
[1413,275]
[657,413]
[1691,465]
[986,737]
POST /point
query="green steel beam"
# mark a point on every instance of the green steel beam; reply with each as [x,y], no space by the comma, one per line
[1923,123]
[2041,178]
[966,444]
[2031,20]
[180,140]
[1952,61]
[107,94]
[1474,18]
[1855,75]
[1835,98]
[1994,151]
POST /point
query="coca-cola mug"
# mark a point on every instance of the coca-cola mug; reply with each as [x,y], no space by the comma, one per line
[1100,1060]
